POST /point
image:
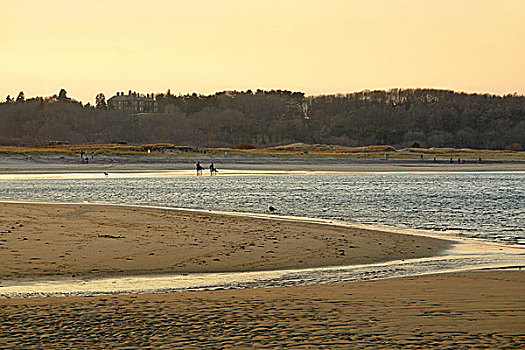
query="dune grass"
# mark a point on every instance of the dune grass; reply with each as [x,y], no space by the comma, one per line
[282,151]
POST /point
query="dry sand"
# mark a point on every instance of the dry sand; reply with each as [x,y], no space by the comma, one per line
[98,240]
[475,310]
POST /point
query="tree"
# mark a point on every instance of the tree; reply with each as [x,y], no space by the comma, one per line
[8,99]
[100,101]
[21,97]
[62,95]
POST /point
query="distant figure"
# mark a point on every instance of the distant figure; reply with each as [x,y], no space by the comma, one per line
[82,160]
[479,160]
[213,170]
[272,208]
[105,174]
[199,168]
[81,154]
[386,156]
[451,161]
[459,160]
[92,154]
[87,159]
[434,159]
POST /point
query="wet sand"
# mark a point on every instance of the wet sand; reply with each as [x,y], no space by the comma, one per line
[232,164]
[39,240]
[474,310]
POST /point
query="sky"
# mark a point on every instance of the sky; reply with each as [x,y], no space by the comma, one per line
[205,46]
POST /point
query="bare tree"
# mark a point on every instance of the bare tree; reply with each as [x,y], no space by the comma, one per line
[100,101]
[21,97]
[62,96]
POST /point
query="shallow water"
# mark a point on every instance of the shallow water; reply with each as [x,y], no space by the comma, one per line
[257,279]
[481,205]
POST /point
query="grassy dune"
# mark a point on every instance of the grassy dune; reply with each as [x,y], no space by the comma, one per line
[291,150]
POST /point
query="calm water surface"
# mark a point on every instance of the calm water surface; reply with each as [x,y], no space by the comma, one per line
[484,205]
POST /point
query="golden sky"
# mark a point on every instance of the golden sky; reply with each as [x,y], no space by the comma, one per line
[204,46]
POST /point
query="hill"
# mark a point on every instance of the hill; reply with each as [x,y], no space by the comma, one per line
[399,117]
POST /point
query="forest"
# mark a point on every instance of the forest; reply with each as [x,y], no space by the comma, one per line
[397,117]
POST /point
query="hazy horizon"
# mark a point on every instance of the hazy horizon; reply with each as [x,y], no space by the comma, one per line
[315,47]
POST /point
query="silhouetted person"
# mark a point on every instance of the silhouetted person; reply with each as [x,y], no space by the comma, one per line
[213,170]
[199,168]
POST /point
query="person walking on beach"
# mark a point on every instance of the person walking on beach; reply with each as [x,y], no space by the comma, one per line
[199,168]
[213,170]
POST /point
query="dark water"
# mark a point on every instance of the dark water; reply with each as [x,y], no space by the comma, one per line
[484,205]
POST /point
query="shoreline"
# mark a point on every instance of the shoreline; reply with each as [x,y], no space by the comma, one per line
[229,172]
[40,235]
[54,164]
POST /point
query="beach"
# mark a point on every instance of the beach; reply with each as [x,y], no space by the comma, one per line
[89,241]
[44,163]
[102,240]
[474,310]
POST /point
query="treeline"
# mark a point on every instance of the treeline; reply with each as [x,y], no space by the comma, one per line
[398,117]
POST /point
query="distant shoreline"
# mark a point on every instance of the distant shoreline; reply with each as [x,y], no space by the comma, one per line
[44,163]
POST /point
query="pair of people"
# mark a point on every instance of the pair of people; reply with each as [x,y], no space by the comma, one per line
[200,168]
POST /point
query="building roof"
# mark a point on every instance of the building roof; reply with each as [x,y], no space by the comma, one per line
[122,97]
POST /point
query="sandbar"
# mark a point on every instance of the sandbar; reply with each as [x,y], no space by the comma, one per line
[87,240]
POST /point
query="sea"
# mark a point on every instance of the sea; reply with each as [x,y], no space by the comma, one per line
[488,206]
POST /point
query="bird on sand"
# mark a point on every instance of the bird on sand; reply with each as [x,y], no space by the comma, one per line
[271,208]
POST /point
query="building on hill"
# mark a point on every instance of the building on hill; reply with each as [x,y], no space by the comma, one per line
[133,103]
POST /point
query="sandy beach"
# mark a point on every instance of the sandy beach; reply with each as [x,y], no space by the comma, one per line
[233,164]
[480,309]
[475,310]
[96,240]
